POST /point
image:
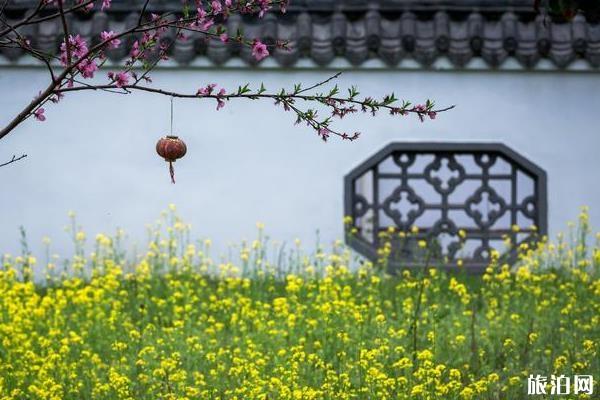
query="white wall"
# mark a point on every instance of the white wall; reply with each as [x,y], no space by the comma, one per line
[95,153]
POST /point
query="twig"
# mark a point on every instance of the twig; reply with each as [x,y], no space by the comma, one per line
[43,96]
[4,6]
[66,30]
[287,99]
[142,12]
[248,96]
[157,60]
[316,85]
[35,53]
[24,21]
[30,21]
[13,160]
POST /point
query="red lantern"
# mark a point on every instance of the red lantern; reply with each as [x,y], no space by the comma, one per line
[171,148]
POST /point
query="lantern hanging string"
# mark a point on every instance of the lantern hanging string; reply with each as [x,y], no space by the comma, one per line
[171,115]
[171,169]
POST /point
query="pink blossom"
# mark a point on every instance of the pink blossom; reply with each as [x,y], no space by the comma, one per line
[432,114]
[228,3]
[87,68]
[135,49]
[39,114]
[217,8]
[105,4]
[148,37]
[220,101]
[164,48]
[120,79]
[224,37]
[259,50]
[264,7]
[207,24]
[324,133]
[57,98]
[206,91]
[77,46]
[204,20]
[114,43]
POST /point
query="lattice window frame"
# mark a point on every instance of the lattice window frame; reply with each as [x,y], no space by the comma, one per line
[516,161]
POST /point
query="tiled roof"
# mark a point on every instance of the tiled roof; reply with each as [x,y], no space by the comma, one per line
[391,31]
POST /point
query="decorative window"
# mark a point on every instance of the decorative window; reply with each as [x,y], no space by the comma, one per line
[464,199]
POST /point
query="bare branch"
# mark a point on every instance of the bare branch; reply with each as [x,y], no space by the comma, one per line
[43,57]
[316,85]
[3,6]
[40,57]
[142,12]
[30,21]
[24,21]
[13,160]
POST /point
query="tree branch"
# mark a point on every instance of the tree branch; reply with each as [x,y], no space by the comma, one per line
[326,81]
[13,160]
[21,43]
[42,97]
[24,21]
[142,12]
[287,99]
[66,30]
[153,40]
[30,21]
[252,96]
[3,6]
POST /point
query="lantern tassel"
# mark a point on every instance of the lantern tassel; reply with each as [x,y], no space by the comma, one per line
[172,171]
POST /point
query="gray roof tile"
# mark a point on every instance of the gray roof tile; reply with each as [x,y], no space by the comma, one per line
[390,30]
